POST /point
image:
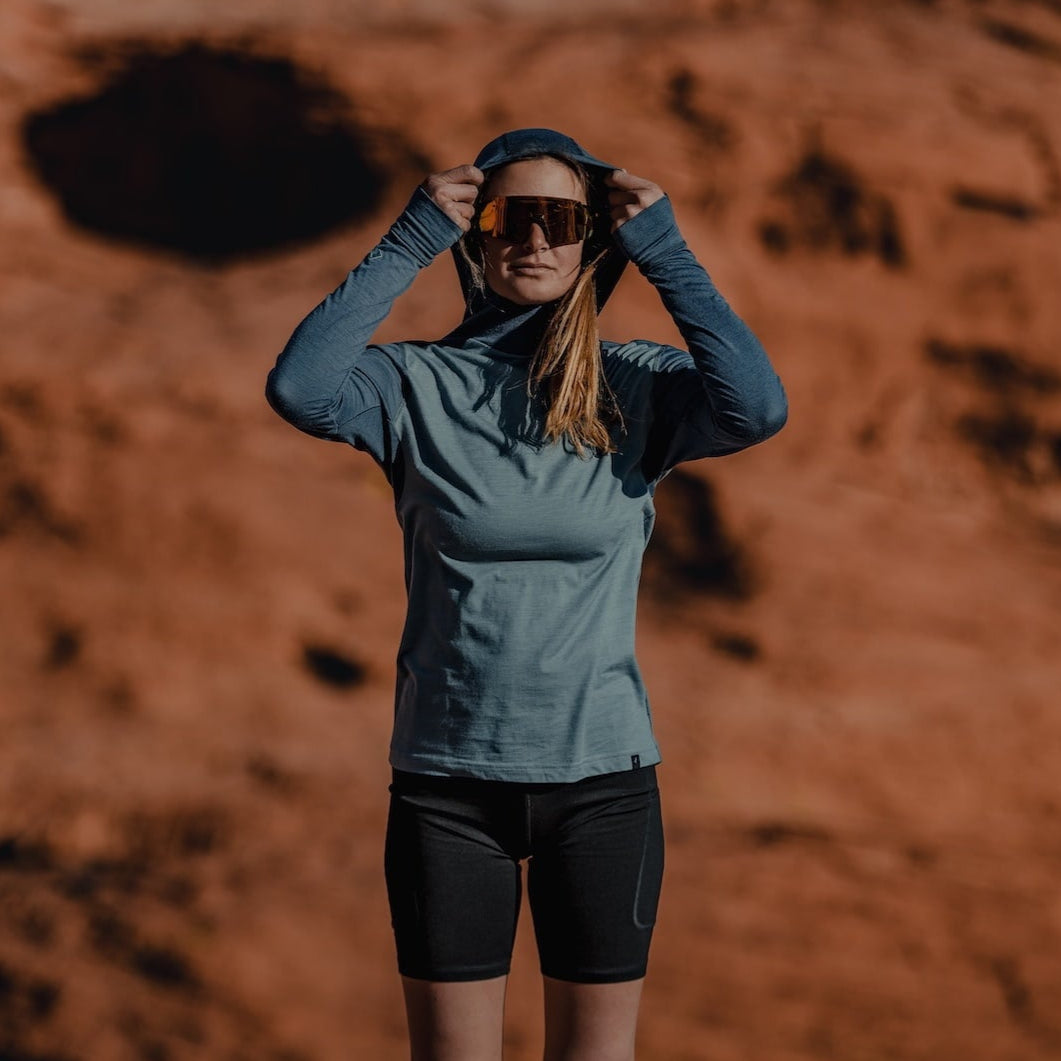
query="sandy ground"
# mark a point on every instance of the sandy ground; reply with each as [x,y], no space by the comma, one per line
[849,633]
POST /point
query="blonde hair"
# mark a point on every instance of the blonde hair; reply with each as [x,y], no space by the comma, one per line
[580,405]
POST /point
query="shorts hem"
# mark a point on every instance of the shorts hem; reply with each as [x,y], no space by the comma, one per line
[456,976]
[618,976]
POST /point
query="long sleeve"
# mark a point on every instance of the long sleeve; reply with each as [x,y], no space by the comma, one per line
[325,382]
[720,396]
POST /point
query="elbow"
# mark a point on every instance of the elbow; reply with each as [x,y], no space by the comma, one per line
[290,398]
[281,395]
[756,423]
[773,416]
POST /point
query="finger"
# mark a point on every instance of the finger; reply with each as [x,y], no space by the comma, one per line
[618,222]
[442,188]
[459,192]
[619,178]
[463,175]
[642,198]
[458,218]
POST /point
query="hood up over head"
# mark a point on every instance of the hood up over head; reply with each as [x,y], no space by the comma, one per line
[489,316]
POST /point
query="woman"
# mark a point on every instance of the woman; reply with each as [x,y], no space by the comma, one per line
[524,453]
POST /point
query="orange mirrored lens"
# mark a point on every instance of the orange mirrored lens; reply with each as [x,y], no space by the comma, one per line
[509,217]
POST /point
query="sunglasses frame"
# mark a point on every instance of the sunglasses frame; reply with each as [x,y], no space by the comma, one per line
[491,218]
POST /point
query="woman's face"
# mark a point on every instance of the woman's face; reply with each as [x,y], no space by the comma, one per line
[532,272]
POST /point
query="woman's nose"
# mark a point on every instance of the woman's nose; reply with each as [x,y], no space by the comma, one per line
[535,239]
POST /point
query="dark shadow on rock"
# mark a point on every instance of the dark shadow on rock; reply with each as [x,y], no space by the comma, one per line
[1003,439]
[24,856]
[16,1053]
[995,368]
[212,152]
[109,933]
[711,129]
[25,398]
[773,833]
[115,938]
[25,506]
[738,646]
[1022,39]
[177,833]
[691,554]
[82,883]
[265,771]
[118,697]
[112,903]
[26,1002]
[178,890]
[1010,206]
[164,966]
[1016,995]
[63,646]
[1007,434]
[36,925]
[331,667]
[829,207]
[154,1050]
[712,137]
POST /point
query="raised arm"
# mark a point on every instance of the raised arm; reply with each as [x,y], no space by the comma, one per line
[323,382]
[722,394]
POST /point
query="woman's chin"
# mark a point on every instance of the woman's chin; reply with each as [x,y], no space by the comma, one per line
[530,290]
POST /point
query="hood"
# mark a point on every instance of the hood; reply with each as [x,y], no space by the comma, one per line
[489,316]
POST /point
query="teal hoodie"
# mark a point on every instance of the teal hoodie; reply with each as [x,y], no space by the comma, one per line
[522,559]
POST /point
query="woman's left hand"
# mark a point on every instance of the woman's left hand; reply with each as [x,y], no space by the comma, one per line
[629,195]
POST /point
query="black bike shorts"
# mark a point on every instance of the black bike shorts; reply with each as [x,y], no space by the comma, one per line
[594,852]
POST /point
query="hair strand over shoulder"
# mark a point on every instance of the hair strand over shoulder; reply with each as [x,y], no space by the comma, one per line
[581,405]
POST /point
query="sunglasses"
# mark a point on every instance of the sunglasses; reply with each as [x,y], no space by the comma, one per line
[509,217]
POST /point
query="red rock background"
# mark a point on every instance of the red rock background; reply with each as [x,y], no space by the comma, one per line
[849,633]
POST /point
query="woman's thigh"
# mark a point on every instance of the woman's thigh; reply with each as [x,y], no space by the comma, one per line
[452,881]
[595,876]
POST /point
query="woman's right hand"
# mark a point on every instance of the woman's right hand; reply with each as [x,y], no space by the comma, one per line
[454,193]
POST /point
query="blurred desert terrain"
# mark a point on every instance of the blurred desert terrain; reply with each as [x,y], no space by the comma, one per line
[850,633]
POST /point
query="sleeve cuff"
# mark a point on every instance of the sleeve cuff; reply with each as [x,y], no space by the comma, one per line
[650,235]
[423,228]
